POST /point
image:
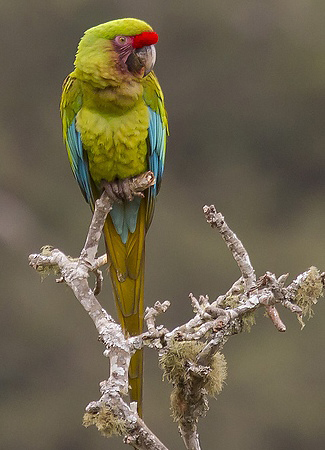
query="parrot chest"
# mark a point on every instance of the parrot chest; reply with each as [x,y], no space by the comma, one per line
[116,145]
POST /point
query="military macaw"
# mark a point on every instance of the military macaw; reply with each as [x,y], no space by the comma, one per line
[114,127]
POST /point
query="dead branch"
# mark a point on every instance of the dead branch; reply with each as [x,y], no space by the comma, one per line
[190,353]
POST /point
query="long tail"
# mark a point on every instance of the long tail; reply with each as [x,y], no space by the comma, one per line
[127,275]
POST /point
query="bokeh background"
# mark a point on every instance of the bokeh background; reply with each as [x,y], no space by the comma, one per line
[244,82]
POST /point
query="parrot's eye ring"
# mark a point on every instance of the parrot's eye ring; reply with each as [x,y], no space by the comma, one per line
[121,40]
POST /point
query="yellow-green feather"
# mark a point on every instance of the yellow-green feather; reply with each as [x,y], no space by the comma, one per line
[115,145]
[71,102]
[125,27]
[153,97]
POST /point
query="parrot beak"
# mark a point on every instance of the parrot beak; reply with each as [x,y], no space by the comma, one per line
[142,58]
[147,57]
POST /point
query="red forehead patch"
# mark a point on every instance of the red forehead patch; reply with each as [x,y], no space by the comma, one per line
[145,38]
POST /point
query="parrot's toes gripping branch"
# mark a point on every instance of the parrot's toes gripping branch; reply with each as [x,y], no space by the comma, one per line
[111,190]
[120,190]
[125,190]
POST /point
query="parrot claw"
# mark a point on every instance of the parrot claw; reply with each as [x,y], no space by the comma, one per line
[119,190]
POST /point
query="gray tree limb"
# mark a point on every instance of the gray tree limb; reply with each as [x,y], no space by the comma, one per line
[190,353]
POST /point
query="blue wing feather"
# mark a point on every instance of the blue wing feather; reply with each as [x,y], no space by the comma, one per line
[79,164]
[156,156]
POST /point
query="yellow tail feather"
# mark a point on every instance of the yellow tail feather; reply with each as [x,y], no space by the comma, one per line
[127,275]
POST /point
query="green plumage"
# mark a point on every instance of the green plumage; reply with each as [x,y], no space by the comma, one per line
[115,145]
[114,127]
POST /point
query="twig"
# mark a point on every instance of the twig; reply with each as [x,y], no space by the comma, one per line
[216,220]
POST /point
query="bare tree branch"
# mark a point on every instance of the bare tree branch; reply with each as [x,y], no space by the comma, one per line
[189,354]
[216,220]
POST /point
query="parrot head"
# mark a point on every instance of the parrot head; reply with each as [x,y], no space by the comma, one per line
[137,53]
[123,47]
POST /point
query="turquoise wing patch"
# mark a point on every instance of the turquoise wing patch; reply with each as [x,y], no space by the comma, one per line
[156,156]
[78,161]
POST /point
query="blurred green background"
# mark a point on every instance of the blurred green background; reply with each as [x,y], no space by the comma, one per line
[244,82]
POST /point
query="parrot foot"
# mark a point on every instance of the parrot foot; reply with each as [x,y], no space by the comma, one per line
[120,190]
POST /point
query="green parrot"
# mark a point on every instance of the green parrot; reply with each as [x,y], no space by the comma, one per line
[115,127]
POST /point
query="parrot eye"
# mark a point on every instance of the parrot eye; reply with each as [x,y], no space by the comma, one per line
[122,40]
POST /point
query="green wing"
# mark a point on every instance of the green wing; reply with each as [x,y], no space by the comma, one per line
[71,103]
[157,132]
